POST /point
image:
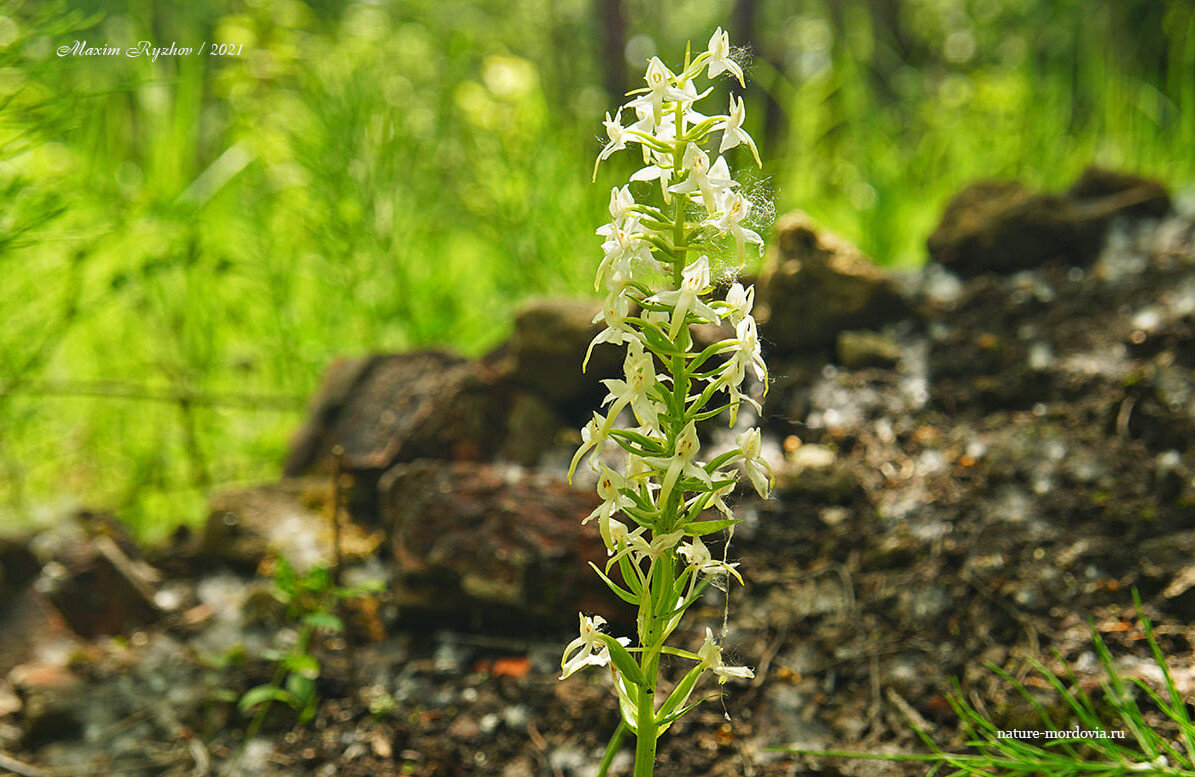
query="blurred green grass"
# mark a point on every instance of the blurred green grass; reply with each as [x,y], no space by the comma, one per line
[187,242]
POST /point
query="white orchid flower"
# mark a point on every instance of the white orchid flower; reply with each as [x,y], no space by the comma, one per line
[717,501]
[587,649]
[660,89]
[640,372]
[618,139]
[732,130]
[663,131]
[609,488]
[731,378]
[720,61]
[698,555]
[680,464]
[622,204]
[623,247]
[748,351]
[733,210]
[687,299]
[739,302]
[758,470]
[640,549]
[711,180]
[615,310]
[593,438]
[616,537]
[711,655]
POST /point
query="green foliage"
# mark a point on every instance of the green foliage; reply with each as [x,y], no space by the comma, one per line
[1030,90]
[187,243]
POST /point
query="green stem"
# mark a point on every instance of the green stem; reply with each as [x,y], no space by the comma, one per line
[645,719]
[678,368]
[612,749]
[661,575]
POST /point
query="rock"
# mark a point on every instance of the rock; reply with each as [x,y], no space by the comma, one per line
[31,628]
[815,285]
[476,542]
[1169,477]
[532,427]
[1168,555]
[1132,195]
[99,590]
[815,472]
[511,404]
[464,728]
[398,407]
[1178,598]
[18,567]
[862,348]
[519,767]
[291,518]
[1002,227]
[50,708]
[833,485]
[551,337]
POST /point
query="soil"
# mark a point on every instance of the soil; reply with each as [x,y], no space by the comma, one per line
[989,498]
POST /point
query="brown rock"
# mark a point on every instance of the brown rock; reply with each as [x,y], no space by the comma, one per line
[291,518]
[99,590]
[548,346]
[464,728]
[48,693]
[1115,193]
[1003,227]
[816,284]
[18,567]
[861,348]
[384,409]
[398,407]
[474,541]
[31,626]
[1179,595]
[532,426]
[1167,556]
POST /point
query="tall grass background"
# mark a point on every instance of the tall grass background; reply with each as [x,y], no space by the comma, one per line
[186,243]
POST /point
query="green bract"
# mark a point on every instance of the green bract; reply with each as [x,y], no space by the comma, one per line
[677,210]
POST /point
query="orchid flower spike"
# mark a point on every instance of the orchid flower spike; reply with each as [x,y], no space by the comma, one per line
[671,226]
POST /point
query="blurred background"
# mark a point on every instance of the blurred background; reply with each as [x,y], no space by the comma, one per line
[185,243]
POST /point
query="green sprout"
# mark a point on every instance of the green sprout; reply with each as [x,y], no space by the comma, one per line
[310,600]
